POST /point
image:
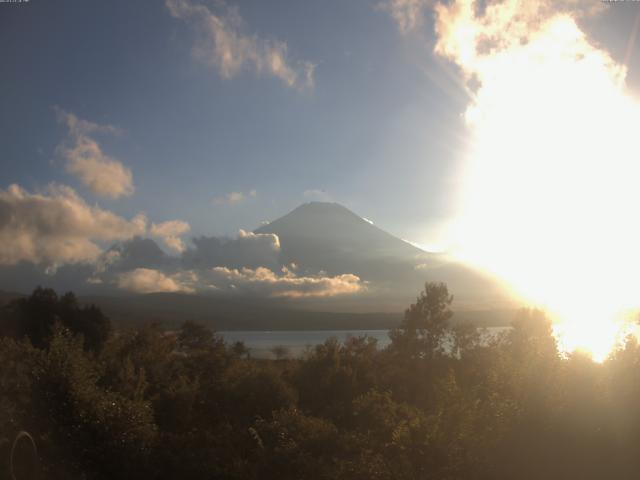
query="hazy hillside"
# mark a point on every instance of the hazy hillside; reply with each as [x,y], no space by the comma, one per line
[221,313]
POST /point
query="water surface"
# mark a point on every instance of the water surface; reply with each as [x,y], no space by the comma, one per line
[295,342]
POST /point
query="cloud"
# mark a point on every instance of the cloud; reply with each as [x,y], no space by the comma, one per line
[234,198]
[247,264]
[78,127]
[223,44]
[433,264]
[102,264]
[58,230]
[147,280]
[170,232]
[408,14]
[128,255]
[472,38]
[137,252]
[57,227]
[106,260]
[260,281]
[263,281]
[104,175]
[247,250]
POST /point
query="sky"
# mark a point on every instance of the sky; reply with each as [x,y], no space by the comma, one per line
[500,130]
[362,112]
[367,129]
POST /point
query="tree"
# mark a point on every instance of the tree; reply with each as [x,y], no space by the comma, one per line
[240,349]
[426,323]
[91,323]
[292,445]
[36,315]
[195,336]
[280,352]
[82,425]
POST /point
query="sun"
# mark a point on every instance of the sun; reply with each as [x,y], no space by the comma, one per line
[550,195]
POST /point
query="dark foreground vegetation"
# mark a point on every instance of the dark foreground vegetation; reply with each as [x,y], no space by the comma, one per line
[142,404]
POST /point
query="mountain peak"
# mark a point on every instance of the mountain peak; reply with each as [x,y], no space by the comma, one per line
[330,237]
[328,220]
[319,207]
[330,211]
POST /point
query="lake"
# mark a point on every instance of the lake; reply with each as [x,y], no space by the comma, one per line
[260,343]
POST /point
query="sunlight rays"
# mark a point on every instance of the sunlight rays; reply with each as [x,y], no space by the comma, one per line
[550,195]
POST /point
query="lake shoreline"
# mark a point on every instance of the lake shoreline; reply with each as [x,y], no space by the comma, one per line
[294,343]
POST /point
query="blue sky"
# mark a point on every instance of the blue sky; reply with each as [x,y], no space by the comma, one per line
[380,130]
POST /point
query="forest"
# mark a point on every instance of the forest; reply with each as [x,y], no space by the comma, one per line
[81,400]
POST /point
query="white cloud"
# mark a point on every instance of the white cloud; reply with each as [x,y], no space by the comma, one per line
[271,239]
[408,14]
[170,232]
[103,174]
[475,39]
[174,243]
[234,198]
[260,281]
[78,126]
[57,227]
[223,44]
[147,280]
[263,281]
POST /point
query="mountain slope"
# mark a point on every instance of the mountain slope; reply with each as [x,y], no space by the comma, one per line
[329,237]
[315,230]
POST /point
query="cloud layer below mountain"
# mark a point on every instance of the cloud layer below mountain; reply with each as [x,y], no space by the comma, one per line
[55,237]
[287,283]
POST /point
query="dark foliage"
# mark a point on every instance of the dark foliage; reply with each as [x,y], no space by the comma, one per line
[440,402]
[35,316]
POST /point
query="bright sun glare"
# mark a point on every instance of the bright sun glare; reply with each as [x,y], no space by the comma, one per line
[550,197]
